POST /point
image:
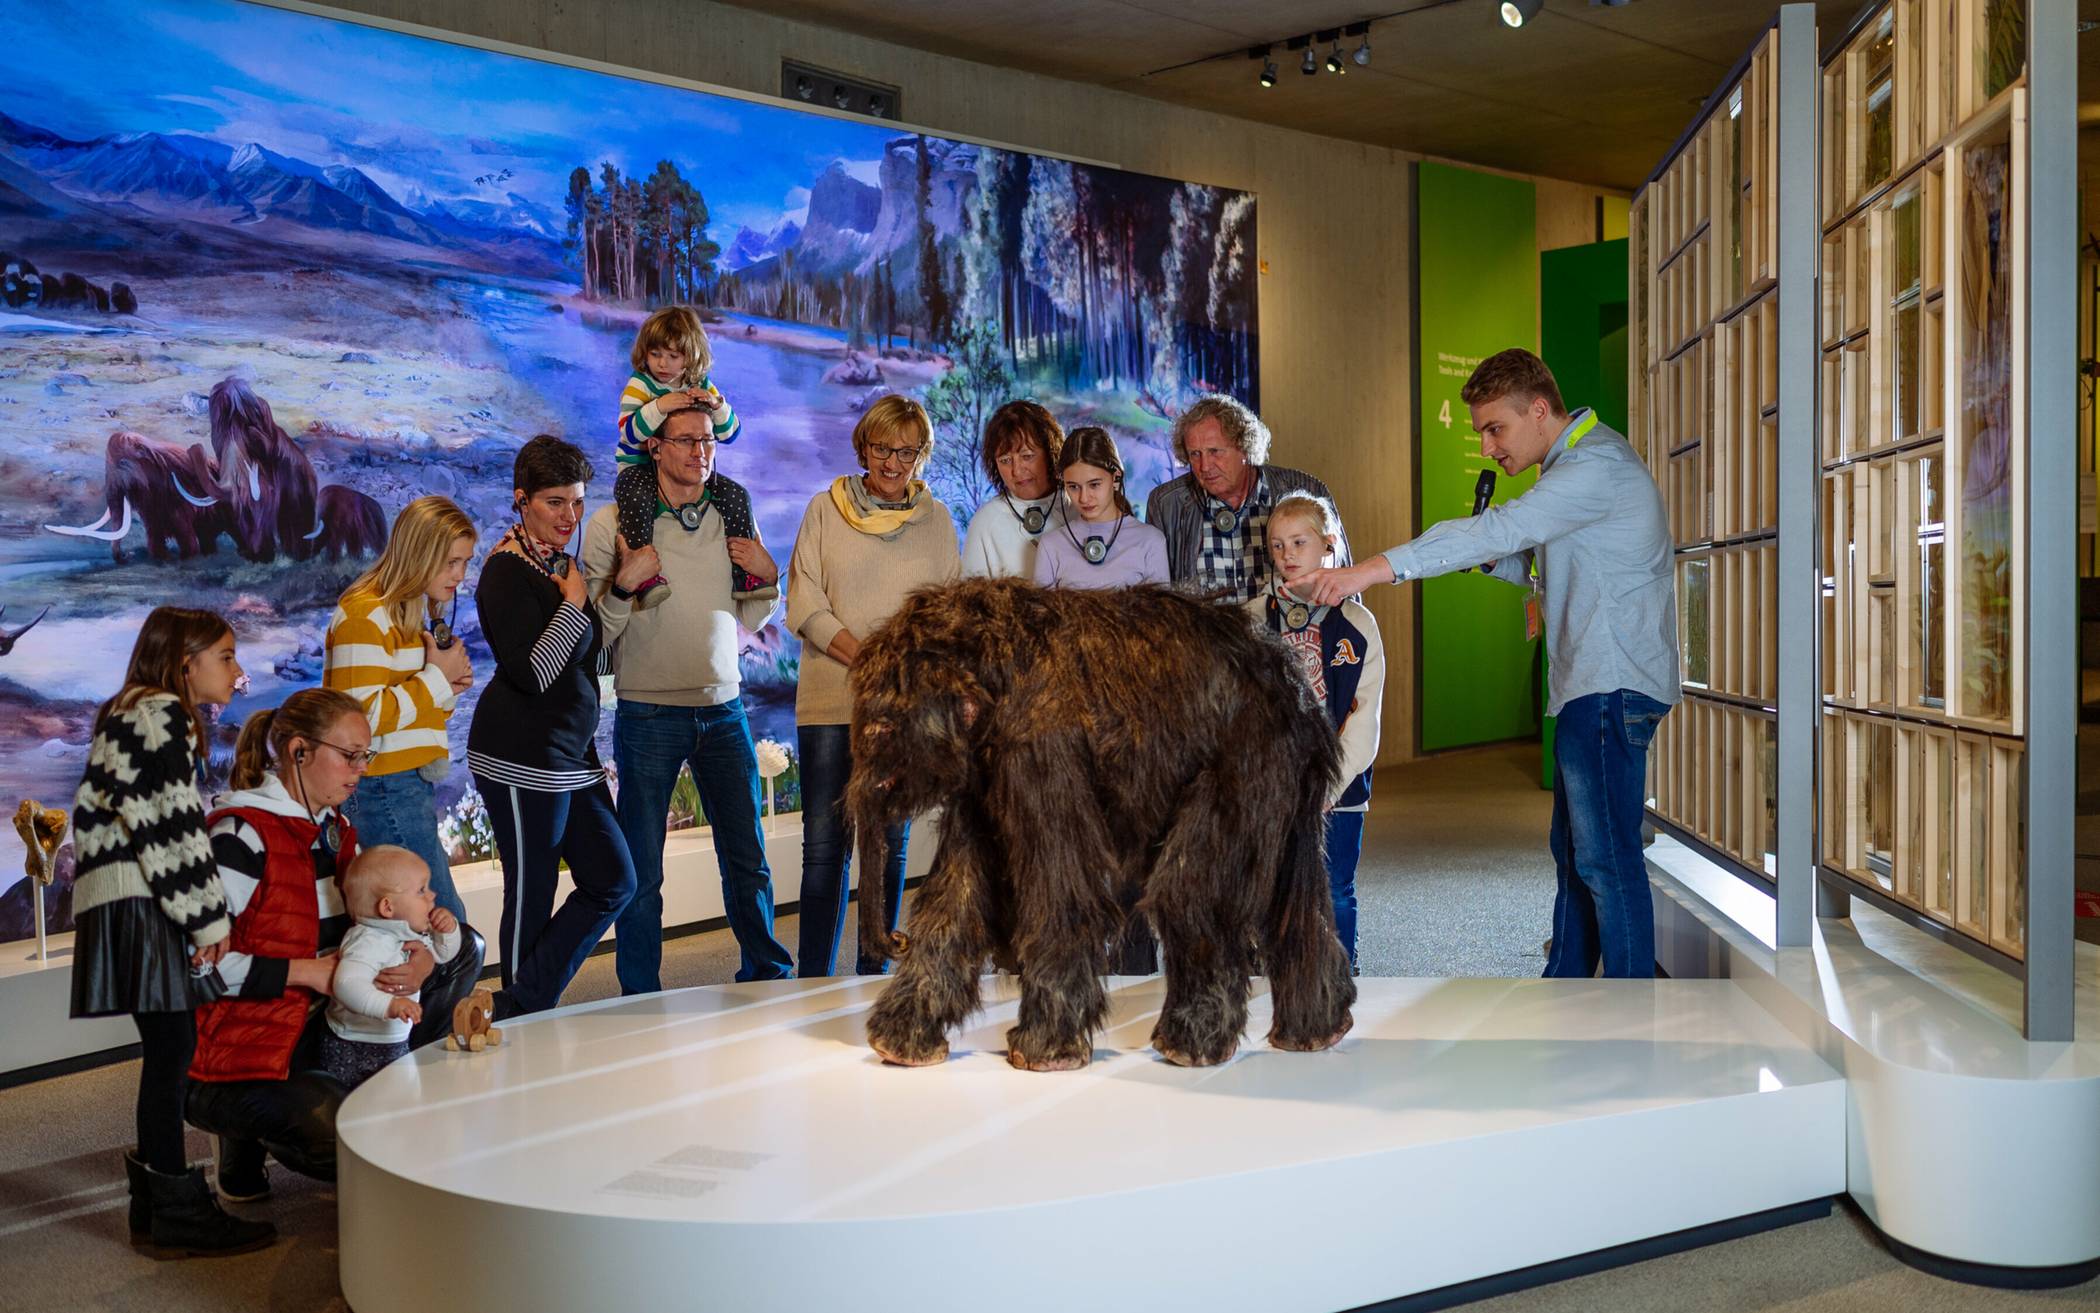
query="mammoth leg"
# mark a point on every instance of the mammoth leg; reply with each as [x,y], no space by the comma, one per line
[935,988]
[1198,899]
[1310,987]
[1058,859]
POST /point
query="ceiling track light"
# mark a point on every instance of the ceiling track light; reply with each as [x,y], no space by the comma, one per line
[1311,64]
[1268,65]
[1362,54]
[1334,60]
[1516,13]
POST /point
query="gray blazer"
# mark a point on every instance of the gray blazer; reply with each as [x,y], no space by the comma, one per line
[1175,508]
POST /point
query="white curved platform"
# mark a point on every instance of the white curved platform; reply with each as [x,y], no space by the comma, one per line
[738,1146]
[1965,1141]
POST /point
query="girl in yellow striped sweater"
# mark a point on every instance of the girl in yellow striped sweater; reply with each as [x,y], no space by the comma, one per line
[388,648]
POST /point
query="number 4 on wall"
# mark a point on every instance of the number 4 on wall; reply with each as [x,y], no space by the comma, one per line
[1444,412]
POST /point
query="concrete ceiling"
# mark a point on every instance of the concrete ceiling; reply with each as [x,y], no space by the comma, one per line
[1590,93]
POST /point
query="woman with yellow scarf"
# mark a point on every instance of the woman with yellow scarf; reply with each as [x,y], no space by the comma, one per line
[865,543]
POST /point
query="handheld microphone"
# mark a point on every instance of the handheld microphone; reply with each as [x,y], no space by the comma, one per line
[1483,493]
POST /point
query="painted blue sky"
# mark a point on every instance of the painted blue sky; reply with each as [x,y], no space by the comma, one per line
[410,112]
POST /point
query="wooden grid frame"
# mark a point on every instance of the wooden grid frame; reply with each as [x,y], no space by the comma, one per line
[1705,393]
[1923,449]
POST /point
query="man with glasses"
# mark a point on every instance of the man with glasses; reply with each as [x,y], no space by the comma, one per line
[675,667]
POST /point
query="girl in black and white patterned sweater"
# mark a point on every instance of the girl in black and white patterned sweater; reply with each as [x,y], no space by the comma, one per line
[149,914]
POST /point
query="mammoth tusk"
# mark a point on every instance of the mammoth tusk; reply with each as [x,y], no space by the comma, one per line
[254,484]
[188,496]
[96,530]
[320,527]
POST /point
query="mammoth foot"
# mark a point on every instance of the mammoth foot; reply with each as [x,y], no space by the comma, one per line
[1032,1054]
[1311,1044]
[923,1055]
[1183,1049]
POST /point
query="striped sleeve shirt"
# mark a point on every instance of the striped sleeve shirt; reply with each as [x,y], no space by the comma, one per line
[407,701]
[641,416]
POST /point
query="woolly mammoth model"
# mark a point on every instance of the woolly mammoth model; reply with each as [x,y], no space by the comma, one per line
[1098,755]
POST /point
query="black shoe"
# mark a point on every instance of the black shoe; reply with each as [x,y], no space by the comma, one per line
[188,1222]
[244,1174]
[141,1199]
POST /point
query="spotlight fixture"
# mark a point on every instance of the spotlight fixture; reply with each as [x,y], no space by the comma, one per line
[1362,54]
[1516,13]
[876,105]
[805,88]
[1334,60]
[1268,73]
[1311,64]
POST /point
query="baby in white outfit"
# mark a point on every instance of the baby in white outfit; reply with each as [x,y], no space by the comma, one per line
[388,890]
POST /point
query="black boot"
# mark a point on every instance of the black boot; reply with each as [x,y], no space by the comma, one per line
[141,1199]
[188,1222]
[243,1174]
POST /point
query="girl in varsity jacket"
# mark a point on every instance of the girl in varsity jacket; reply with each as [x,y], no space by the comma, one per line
[1339,653]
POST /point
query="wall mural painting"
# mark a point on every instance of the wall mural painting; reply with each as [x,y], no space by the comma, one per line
[288,273]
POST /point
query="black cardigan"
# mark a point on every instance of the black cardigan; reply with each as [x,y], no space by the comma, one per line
[537,722]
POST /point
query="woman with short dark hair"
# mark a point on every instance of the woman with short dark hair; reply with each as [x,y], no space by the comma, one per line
[1022,442]
[532,748]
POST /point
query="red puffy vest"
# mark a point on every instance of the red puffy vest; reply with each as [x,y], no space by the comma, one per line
[253,1039]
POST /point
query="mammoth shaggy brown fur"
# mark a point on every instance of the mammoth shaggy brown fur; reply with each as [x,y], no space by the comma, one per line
[1098,756]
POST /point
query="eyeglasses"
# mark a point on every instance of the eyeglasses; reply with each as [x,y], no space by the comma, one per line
[358,759]
[909,455]
[687,445]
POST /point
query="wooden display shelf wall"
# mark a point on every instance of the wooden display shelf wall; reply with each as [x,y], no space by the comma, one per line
[1704,389]
[1923,454]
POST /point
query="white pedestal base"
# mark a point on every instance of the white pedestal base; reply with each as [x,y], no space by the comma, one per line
[738,1145]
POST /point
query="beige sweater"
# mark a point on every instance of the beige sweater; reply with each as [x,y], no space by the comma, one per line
[683,652]
[840,578]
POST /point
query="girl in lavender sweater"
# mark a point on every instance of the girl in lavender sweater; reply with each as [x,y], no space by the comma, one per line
[1099,542]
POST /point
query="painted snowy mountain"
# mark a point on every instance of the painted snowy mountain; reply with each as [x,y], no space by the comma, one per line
[750,246]
[197,178]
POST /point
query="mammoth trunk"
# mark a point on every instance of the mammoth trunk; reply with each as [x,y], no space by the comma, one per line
[868,823]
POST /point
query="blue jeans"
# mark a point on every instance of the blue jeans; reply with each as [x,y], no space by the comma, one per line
[401,809]
[544,946]
[1345,846]
[826,761]
[1603,909]
[650,743]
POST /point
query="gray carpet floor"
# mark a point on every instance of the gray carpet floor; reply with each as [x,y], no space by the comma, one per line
[1455,881]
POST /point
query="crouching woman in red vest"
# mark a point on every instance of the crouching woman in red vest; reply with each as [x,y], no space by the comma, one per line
[280,841]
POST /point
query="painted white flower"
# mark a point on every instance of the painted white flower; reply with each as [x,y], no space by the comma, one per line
[772,758]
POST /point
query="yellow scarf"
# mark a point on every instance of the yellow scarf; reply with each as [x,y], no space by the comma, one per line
[862,511]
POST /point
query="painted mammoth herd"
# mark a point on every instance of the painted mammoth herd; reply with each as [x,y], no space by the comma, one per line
[253,485]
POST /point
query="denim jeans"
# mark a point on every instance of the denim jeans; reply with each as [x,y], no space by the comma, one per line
[826,761]
[401,809]
[1345,847]
[650,743]
[543,946]
[1603,909]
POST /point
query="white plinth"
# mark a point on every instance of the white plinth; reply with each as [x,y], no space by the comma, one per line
[1966,1141]
[738,1146]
